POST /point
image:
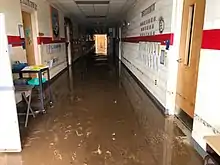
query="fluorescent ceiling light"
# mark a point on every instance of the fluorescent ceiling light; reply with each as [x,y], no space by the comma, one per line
[91,2]
[96,16]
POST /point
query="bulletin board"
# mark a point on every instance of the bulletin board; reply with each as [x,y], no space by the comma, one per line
[55,25]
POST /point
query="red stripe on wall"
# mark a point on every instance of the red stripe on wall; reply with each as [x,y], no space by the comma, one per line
[15,41]
[49,40]
[156,38]
[211,39]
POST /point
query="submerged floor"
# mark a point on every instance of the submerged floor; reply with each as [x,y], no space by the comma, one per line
[102,117]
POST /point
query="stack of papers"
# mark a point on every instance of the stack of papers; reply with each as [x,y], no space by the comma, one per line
[34,68]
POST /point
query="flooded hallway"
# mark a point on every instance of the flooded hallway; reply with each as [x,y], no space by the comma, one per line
[103,82]
[94,122]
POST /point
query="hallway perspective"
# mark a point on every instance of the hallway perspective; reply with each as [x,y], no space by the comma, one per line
[98,120]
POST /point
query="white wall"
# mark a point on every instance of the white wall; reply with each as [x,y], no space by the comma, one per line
[11,9]
[137,61]
[42,24]
[206,120]
[45,27]
[207,112]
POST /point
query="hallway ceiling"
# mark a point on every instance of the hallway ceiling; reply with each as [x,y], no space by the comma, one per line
[94,12]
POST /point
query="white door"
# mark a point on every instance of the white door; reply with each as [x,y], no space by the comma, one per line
[9,129]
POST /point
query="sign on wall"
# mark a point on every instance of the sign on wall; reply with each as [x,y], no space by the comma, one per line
[54,48]
[147,25]
[55,26]
[29,4]
[148,10]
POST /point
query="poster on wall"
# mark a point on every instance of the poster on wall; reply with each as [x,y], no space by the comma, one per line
[162,57]
[55,26]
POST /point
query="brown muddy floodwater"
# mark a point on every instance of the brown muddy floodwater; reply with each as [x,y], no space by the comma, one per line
[101,118]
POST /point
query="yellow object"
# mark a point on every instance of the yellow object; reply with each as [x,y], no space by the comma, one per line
[34,67]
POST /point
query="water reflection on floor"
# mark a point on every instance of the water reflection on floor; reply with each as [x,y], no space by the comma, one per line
[101,116]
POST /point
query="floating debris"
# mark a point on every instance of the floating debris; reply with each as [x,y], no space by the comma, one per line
[77,99]
[115,101]
[109,153]
[99,152]
[74,156]
[27,144]
[78,134]
[33,138]
[120,121]
[114,134]
[36,132]
[69,126]
[57,155]
[88,134]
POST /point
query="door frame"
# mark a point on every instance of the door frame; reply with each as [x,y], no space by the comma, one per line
[182,115]
[33,13]
[120,42]
[105,40]
[68,44]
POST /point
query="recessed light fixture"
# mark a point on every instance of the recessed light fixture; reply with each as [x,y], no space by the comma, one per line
[96,16]
[91,2]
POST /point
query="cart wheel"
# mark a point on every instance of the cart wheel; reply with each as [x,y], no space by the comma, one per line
[51,104]
[208,161]
[44,111]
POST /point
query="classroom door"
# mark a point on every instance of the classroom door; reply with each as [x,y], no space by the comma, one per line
[190,47]
[29,45]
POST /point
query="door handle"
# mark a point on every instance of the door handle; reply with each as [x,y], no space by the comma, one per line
[180,60]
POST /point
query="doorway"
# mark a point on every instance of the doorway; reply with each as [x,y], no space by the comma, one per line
[68,44]
[190,47]
[28,34]
[101,44]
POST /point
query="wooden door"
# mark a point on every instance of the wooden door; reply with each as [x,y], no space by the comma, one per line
[190,47]
[29,45]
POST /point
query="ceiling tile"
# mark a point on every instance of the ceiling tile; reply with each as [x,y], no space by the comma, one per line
[83,8]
